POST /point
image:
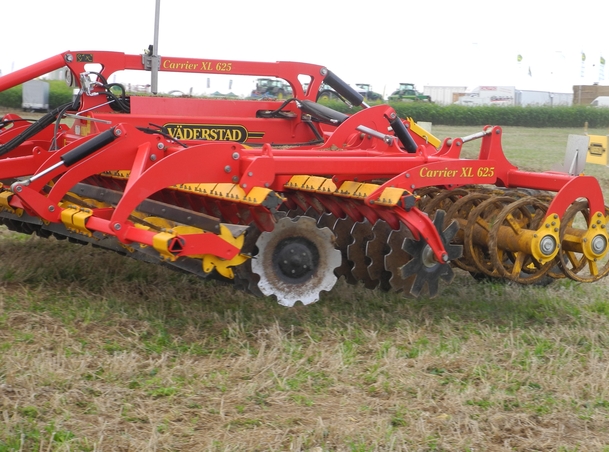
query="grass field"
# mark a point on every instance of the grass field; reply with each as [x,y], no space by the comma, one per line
[103,353]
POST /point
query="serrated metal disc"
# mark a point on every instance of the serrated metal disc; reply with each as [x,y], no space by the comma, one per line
[296,261]
[361,233]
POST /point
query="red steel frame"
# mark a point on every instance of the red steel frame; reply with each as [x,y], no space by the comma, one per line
[347,155]
[241,115]
[224,162]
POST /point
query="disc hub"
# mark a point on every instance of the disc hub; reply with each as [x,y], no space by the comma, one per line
[428,257]
[295,259]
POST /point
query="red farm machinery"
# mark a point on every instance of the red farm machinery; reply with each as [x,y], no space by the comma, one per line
[284,197]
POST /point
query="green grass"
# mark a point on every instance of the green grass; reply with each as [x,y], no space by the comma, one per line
[100,352]
[186,353]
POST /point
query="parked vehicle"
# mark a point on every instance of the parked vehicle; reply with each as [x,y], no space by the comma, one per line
[269,88]
[407,93]
[600,101]
[366,90]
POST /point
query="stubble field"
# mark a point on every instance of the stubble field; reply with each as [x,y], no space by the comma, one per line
[102,353]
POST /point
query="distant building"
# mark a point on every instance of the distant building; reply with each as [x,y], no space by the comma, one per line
[509,95]
[444,95]
[585,94]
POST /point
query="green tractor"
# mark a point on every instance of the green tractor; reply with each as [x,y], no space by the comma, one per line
[366,90]
[269,88]
[407,93]
[327,93]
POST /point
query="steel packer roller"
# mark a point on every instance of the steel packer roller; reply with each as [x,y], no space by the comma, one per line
[368,196]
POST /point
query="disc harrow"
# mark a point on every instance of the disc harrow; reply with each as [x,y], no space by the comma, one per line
[284,198]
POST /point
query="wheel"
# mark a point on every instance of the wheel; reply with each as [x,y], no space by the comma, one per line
[444,200]
[514,223]
[477,232]
[460,211]
[296,261]
[577,262]
[426,195]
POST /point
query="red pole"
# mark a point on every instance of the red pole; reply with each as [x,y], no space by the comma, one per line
[30,72]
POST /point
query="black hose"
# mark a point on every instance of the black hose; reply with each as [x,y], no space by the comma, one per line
[34,129]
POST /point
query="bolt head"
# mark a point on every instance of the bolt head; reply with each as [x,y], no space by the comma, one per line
[547,245]
[599,244]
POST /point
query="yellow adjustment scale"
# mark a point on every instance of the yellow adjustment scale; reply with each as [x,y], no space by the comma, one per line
[390,196]
[229,192]
[225,191]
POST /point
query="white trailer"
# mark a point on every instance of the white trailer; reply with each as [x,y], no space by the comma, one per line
[444,95]
[35,96]
[488,95]
[525,98]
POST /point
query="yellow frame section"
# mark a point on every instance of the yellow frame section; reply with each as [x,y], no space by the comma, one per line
[390,196]
[427,136]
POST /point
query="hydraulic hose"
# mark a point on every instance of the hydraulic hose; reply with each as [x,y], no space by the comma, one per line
[32,130]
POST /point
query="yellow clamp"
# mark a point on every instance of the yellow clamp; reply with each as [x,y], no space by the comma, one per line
[5,198]
[75,219]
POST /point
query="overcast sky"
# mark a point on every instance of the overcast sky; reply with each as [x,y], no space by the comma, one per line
[384,42]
